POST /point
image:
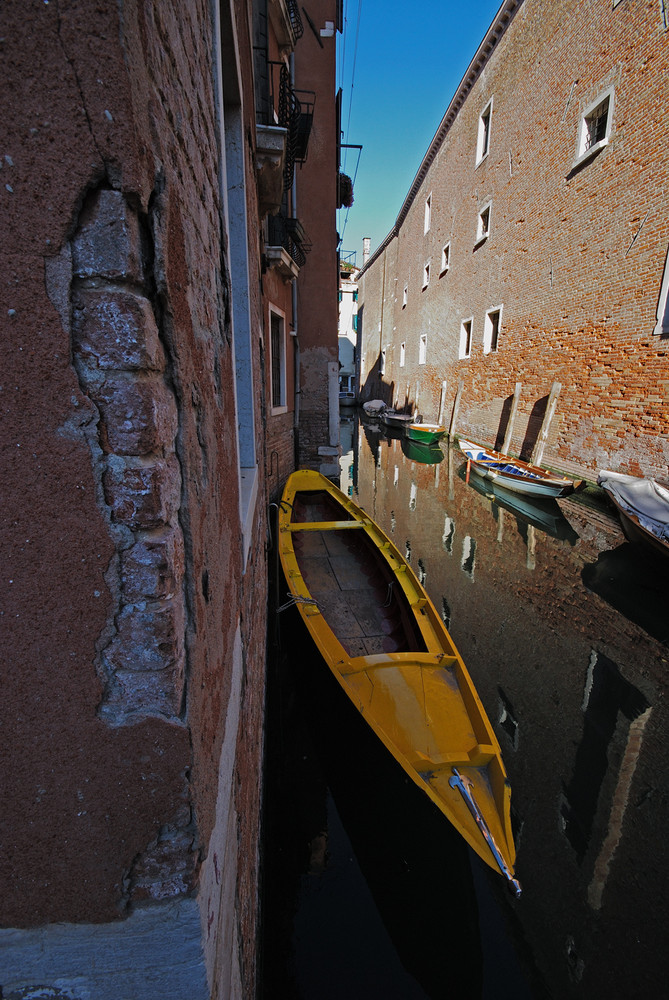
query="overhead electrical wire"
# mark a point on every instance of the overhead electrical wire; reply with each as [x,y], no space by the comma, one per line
[350,95]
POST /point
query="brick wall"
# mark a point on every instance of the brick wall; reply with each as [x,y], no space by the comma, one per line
[574,256]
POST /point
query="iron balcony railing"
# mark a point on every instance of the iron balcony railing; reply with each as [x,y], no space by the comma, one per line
[289,234]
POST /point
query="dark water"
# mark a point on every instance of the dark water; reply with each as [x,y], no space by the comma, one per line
[563,625]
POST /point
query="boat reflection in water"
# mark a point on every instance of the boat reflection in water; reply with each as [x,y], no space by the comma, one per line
[562,628]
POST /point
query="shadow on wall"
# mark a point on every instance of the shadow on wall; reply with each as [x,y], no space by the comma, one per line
[376,387]
[532,431]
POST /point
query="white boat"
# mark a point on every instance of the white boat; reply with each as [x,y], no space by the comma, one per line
[514,474]
[643,507]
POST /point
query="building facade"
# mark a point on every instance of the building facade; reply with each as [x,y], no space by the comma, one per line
[530,254]
[348,332]
[145,266]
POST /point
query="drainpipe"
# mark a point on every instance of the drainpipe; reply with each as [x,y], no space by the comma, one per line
[296,345]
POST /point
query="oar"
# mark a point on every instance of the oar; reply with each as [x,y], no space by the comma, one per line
[463,784]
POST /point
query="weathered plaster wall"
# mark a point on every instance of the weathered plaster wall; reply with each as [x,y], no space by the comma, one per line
[130,652]
[318,280]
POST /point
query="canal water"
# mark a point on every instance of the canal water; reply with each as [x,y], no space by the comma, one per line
[564,627]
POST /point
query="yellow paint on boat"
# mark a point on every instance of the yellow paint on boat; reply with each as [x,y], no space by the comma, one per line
[421,703]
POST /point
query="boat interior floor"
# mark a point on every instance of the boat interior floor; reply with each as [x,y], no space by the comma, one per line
[363,603]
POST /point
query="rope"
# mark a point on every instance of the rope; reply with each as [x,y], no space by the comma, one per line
[297,599]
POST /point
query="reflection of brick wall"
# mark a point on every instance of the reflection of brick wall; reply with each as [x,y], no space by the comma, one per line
[574,256]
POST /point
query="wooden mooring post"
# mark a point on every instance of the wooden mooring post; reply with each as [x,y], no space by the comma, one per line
[456,407]
[540,444]
[512,418]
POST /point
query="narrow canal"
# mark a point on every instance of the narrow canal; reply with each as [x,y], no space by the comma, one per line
[564,627]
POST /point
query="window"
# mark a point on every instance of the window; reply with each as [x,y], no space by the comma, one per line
[403,349]
[383,362]
[278,360]
[491,329]
[595,126]
[428,213]
[405,296]
[422,349]
[483,139]
[662,316]
[445,258]
[465,338]
[426,275]
[483,227]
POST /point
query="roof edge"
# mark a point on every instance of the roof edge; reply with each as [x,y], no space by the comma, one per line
[497,29]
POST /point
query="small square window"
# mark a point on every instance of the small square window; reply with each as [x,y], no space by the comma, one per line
[403,350]
[483,138]
[422,349]
[445,258]
[405,296]
[465,338]
[595,126]
[428,213]
[426,275]
[483,226]
[493,319]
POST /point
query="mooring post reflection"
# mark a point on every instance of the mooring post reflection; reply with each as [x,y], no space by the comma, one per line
[563,627]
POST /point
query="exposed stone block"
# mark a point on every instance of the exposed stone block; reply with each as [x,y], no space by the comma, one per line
[116,329]
[168,868]
[152,567]
[157,692]
[139,415]
[108,243]
[149,637]
[143,496]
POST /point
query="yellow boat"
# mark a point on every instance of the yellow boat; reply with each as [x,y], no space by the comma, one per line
[382,638]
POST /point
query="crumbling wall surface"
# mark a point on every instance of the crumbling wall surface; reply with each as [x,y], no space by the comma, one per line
[123,579]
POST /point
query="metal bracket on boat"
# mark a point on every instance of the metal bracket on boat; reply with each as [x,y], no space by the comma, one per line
[464,786]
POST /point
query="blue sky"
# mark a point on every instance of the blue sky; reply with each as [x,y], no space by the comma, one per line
[397,81]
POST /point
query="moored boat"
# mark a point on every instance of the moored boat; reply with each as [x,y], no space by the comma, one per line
[643,508]
[395,420]
[425,433]
[515,474]
[374,407]
[384,642]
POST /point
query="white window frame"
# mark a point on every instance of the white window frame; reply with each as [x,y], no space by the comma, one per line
[403,350]
[662,314]
[585,151]
[483,135]
[488,329]
[428,214]
[405,296]
[426,274]
[464,337]
[483,226]
[445,258]
[422,349]
[275,314]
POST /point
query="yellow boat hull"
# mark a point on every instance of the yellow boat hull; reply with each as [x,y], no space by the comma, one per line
[383,640]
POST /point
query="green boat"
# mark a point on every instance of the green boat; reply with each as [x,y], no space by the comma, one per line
[426,454]
[425,433]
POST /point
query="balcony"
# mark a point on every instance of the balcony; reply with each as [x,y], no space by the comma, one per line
[286,21]
[287,245]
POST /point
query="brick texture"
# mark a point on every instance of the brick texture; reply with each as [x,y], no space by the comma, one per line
[574,258]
